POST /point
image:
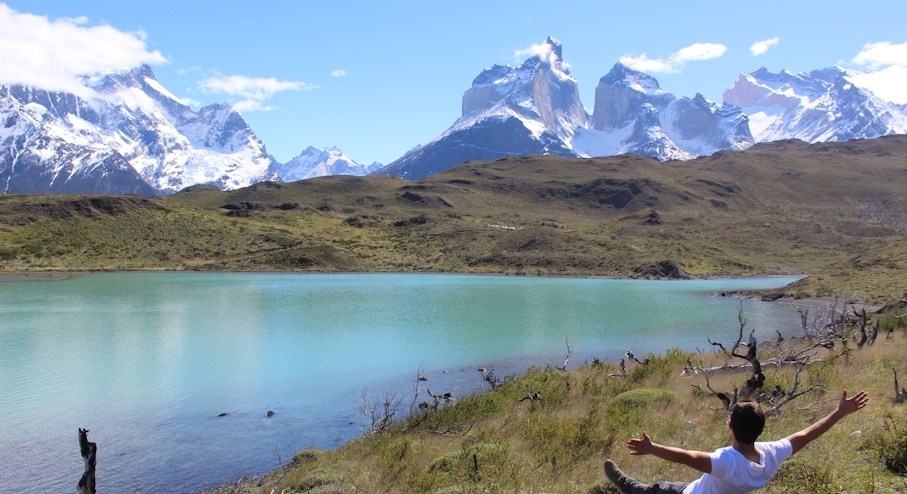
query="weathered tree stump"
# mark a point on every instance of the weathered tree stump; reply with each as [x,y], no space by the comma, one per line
[89,452]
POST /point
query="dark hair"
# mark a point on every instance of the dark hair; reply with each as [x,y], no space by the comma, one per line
[747,421]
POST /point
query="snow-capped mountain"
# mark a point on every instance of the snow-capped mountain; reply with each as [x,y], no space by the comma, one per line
[819,106]
[633,114]
[530,109]
[132,132]
[535,109]
[314,163]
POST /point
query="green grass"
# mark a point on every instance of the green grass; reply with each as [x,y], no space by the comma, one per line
[493,442]
[835,212]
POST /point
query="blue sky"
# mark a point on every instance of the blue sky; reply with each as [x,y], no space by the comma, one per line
[378,78]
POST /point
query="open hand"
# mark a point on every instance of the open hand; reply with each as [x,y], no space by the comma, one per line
[641,446]
[850,405]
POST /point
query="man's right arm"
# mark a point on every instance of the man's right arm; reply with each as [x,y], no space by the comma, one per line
[845,407]
[695,459]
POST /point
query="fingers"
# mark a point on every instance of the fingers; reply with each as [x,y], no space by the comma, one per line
[861,399]
[857,401]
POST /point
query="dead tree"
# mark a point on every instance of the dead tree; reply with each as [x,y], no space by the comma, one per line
[899,393]
[632,357]
[491,379]
[752,388]
[623,370]
[795,392]
[757,378]
[862,338]
[89,452]
[891,326]
[381,409]
[570,349]
[873,333]
[727,400]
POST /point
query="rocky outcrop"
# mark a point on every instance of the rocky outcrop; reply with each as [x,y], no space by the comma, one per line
[665,269]
[620,95]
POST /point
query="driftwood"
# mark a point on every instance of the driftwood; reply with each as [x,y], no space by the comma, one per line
[532,396]
[89,452]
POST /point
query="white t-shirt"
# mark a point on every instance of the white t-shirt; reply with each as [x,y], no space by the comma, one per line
[732,473]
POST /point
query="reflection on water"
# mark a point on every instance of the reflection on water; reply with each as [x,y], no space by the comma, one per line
[147,361]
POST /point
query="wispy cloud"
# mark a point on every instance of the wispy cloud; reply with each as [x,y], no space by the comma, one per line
[338,73]
[888,65]
[545,51]
[52,54]
[761,47]
[254,90]
[676,61]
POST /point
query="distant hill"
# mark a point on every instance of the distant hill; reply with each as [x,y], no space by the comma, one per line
[835,211]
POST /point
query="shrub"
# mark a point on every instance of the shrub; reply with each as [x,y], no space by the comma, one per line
[319,477]
[624,409]
[890,445]
[660,367]
[564,441]
[798,476]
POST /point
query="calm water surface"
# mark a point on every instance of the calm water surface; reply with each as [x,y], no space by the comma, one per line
[147,361]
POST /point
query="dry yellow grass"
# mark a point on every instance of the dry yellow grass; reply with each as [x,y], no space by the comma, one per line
[496,443]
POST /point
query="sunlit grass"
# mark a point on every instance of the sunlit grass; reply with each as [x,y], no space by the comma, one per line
[493,442]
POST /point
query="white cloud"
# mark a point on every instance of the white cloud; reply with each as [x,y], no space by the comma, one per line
[675,62]
[52,54]
[643,63]
[338,73]
[699,51]
[255,90]
[878,55]
[888,63]
[761,47]
[545,51]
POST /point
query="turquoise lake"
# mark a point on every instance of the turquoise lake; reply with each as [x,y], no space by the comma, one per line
[147,361]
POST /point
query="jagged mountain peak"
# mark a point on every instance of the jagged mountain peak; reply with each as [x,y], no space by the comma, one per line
[817,106]
[133,117]
[621,93]
[533,108]
[550,56]
[113,81]
[313,162]
[624,76]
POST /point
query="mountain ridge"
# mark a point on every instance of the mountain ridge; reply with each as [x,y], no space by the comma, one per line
[136,137]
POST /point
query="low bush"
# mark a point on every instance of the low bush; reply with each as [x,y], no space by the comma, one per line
[890,445]
[798,476]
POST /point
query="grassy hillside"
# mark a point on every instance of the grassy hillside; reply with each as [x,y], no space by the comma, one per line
[496,443]
[837,212]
